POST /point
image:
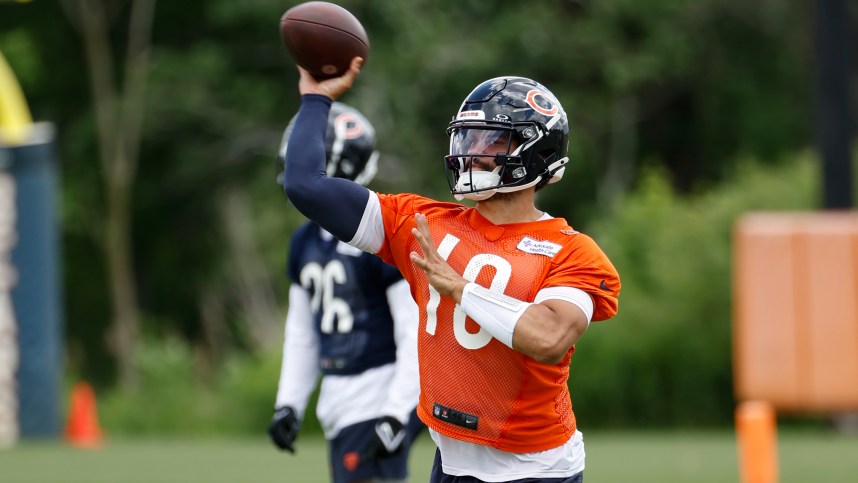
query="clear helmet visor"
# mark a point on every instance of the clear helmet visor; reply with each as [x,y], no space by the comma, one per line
[473,141]
[477,155]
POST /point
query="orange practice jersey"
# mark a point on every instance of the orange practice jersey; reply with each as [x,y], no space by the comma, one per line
[472,387]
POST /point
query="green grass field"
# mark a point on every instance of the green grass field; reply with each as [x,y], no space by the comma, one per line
[639,457]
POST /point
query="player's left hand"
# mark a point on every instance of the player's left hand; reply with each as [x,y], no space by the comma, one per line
[389,436]
[284,428]
[440,274]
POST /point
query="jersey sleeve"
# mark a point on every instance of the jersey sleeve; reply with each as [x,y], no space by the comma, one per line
[583,265]
[397,212]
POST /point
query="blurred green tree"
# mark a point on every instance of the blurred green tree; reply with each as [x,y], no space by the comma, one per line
[681,86]
[118,110]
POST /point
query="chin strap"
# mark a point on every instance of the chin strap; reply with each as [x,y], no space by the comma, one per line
[556,169]
[484,181]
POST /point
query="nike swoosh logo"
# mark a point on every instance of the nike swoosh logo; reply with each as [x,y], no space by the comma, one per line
[604,286]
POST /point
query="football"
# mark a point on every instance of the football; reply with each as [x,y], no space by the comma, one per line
[323,38]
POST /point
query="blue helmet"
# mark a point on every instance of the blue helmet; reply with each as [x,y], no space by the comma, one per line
[349,146]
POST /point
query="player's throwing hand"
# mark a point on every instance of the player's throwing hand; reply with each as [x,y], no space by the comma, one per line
[331,88]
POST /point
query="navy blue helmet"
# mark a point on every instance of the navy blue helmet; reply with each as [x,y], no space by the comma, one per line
[517,123]
[349,145]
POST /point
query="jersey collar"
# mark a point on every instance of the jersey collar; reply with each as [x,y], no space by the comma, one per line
[494,232]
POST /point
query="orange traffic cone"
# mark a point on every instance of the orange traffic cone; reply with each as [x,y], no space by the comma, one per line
[82,429]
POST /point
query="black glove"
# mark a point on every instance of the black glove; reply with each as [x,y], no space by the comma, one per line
[284,428]
[389,436]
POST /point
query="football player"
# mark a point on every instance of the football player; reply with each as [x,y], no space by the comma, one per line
[351,318]
[504,289]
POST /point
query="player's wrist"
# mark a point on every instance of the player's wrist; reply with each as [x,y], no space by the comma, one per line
[313,97]
[458,290]
[287,413]
[495,312]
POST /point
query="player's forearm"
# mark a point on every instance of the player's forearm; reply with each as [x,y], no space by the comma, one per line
[300,367]
[299,372]
[334,203]
[544,331]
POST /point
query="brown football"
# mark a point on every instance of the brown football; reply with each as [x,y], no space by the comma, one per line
[323,38]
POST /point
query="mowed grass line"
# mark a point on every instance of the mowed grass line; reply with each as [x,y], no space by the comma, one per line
[639,457]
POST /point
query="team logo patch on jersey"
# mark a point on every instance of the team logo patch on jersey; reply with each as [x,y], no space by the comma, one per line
[538,247]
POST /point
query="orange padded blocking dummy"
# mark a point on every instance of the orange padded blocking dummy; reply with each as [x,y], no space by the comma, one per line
[795,324]
[82,429]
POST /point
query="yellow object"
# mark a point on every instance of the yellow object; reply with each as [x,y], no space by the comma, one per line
[15,117]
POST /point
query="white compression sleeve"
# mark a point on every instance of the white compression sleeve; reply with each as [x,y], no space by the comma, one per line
[300,366]
[495,312]
[575,296]
[370,233]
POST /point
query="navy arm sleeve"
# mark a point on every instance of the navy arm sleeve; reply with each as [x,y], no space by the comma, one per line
[336,204]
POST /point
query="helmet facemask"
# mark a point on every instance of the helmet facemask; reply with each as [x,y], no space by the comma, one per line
[478,159]
[501,153]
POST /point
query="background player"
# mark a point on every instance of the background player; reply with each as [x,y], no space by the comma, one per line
[350,317]
[494,394]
